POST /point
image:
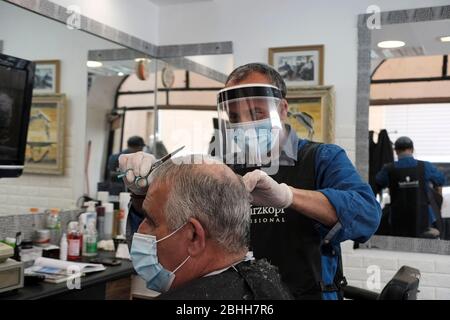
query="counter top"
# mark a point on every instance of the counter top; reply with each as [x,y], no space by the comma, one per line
[46,290]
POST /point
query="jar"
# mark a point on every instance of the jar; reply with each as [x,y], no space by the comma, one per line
[42,236]
[53,219]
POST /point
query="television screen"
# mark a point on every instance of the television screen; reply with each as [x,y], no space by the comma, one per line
[16,86]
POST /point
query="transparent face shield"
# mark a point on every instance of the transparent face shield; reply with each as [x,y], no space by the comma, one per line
[250,125]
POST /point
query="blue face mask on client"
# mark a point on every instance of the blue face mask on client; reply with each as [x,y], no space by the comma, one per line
[145,261]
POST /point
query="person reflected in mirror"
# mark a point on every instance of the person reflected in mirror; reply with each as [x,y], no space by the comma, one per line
[414,187]
[134,144]
[156,147]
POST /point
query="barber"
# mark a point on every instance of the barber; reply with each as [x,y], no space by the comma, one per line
[307,198]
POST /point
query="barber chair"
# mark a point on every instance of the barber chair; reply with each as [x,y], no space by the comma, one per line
[403,286]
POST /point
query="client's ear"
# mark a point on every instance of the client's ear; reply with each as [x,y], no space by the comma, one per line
[197,237]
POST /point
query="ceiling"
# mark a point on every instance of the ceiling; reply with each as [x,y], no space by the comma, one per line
[421,38]
[172,2]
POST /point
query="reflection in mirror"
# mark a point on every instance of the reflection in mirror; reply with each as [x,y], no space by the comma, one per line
[107,95]
[223,63]
[54,174]
[409,153]
[122,97]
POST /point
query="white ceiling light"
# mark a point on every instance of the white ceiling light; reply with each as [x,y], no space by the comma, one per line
[391,44]
[445,39]
[94,64]
[141,59]
[120,74]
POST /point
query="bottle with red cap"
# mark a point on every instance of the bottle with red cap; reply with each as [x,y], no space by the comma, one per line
[74,242]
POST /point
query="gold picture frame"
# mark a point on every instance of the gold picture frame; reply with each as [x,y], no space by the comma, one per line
[47,77]
[312,110]
[45,139]
[299,65]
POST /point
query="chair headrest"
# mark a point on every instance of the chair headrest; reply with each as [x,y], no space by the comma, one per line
[403,286]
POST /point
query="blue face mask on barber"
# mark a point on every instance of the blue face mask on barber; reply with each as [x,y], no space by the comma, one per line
[145,261]
[253,134]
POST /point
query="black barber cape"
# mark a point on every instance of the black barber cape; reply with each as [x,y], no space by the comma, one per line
[289,240]
[248,280]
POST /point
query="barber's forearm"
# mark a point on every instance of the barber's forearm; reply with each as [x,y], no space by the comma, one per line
[314,205]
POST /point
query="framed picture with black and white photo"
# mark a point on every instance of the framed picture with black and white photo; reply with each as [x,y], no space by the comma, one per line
[300,65]
[46,77]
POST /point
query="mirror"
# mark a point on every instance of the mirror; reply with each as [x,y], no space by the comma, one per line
[55,167]
[91,96]
[180,114]
[409,97]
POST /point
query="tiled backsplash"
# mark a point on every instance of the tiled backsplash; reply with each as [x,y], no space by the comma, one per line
[28,223]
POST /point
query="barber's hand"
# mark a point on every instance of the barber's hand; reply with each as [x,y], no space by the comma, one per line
[140,164]
[267,192]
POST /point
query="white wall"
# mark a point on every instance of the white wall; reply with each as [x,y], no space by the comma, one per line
[137,17]
[38,38]
[100,102]
[421,122]
[255,25]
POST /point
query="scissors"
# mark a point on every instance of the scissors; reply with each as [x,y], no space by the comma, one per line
[152,168]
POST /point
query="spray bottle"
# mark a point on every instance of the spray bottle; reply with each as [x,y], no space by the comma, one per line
[91,213]
[90,241]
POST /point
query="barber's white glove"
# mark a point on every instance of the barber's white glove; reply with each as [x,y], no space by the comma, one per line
[267,192]
[140,164]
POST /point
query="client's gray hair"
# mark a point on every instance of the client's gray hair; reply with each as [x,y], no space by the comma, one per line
[219,201]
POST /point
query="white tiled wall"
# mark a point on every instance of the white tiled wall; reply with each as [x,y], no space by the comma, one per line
[345,138]
[434,269]
[42,191]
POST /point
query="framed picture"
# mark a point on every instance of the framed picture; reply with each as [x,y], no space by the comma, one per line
[46,78]
[299,66]
[45,140]
[311,112]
